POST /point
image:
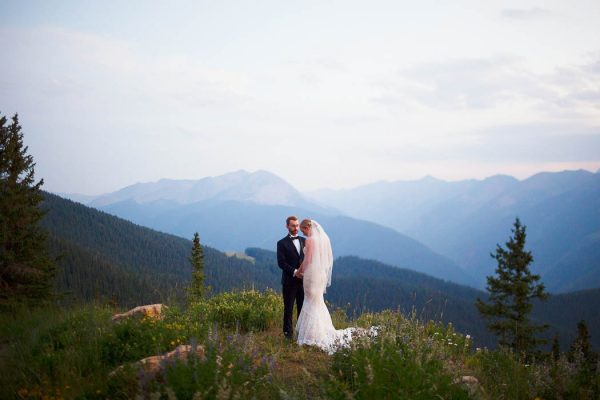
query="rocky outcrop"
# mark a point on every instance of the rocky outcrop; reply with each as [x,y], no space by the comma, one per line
[151,310]
[153,365]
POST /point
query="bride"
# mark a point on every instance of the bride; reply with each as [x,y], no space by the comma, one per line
[314,326]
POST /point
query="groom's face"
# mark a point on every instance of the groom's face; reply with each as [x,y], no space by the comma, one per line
[293,227]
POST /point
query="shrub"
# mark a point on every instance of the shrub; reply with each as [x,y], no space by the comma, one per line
[245,310]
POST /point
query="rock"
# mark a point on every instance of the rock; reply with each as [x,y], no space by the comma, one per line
[151,310]
[470,382]
[155,364]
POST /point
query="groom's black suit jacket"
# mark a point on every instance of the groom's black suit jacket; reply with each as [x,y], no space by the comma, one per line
[288,259]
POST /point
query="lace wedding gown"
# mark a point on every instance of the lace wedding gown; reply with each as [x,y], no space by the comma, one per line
[314,326]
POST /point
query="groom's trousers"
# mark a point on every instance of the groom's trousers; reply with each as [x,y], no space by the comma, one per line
[291,292]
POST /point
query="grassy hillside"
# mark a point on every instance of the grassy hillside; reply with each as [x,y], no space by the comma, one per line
[104,257]
[79,353]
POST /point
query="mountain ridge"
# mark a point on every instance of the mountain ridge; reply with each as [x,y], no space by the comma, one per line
[461,221]
[465,220]
[261,187]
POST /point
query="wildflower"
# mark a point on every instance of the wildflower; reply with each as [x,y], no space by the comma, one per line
[369,372]
[468,337]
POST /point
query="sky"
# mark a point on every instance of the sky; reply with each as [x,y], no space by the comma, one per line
[322,93]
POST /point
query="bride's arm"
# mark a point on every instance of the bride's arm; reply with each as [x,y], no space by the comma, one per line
[307,255]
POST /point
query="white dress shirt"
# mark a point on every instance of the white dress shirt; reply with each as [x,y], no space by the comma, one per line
[297,245]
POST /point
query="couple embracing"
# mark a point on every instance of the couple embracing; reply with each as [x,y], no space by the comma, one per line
[306,264]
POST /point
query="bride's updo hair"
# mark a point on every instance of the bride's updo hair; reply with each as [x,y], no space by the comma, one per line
[306,223]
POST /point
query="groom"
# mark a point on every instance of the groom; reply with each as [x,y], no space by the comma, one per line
[290,253]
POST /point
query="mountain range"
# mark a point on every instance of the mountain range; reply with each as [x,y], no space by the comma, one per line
[444,229]
[102,257]
[260,187]
[465,220]
[234,214]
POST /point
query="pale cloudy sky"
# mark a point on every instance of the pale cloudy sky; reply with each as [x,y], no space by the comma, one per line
[322,93]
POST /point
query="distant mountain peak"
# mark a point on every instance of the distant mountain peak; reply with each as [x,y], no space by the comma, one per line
[261,187]
[430,179]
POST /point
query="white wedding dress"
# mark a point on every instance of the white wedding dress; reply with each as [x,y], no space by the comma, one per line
[314,326]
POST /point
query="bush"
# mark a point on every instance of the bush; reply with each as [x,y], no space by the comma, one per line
[245,310]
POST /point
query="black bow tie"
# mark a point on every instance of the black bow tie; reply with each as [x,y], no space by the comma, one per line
[294,238]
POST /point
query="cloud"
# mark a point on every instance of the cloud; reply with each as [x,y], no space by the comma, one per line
[537,143]
[101,69]
[525,14]
[457,84]
[487,83]
[506,144]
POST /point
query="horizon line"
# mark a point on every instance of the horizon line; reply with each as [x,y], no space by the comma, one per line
[422,178]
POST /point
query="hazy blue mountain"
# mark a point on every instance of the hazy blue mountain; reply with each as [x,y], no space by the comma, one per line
[234,225]
[242,209]
[260,187]
[465,220]
[579,267]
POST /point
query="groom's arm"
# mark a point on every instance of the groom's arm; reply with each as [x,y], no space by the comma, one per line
[281,260]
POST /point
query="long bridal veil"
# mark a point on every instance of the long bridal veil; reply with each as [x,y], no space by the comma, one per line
[322,255]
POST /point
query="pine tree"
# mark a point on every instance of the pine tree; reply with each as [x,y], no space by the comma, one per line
[582,343]
[196,290]
[26,269]
[511,292]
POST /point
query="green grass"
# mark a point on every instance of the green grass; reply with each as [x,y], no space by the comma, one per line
[58,353]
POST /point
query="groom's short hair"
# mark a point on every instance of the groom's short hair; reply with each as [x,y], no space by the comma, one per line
[290,218]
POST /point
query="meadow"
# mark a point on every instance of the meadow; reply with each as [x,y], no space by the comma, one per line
[79,353]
